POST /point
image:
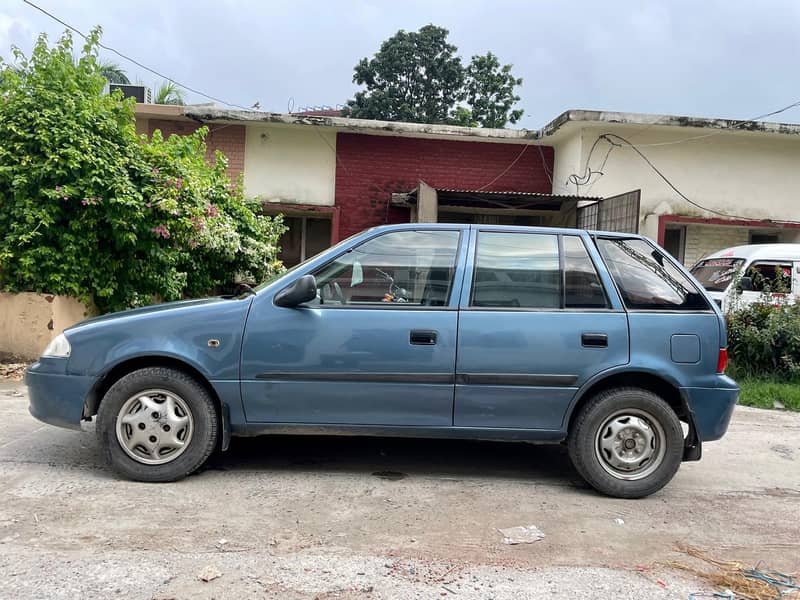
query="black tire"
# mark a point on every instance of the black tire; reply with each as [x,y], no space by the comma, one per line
[593,459]
[203,416]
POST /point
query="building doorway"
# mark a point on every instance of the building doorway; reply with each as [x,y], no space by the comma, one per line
[304,238]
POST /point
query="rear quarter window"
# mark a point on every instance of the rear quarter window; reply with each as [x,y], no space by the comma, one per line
[646,278]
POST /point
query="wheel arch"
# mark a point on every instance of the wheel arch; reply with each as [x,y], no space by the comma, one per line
[652,382]
[131,364]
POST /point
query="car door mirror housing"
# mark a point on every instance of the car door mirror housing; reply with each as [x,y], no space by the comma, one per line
[303,289]
[745,285]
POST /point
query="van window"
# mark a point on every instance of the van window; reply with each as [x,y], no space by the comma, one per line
[516,270]
[582,287]
[770,276]
[716,274]
[646,278]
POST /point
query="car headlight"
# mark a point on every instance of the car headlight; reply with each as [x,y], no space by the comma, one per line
[58,348]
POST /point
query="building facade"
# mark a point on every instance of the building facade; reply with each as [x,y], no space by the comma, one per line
[694,185]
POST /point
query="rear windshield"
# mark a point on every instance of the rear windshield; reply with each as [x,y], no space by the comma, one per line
[646,278]
[716,274]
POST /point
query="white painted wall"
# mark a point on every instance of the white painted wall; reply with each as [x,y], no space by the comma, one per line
[294,165]
[751,175]
[568,160]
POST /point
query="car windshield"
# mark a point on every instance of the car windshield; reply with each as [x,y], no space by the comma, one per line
[716,274]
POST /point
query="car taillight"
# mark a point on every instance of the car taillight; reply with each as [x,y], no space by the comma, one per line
[722,361]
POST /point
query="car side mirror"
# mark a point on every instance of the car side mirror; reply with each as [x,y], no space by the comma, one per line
[302,290]
[745,284]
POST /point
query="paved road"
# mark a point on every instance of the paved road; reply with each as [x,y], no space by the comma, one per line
[296,517]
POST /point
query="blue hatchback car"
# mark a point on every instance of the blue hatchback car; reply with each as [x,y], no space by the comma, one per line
[597,340]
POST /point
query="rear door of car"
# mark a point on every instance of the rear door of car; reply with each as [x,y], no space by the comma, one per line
[537,320]
[675,329]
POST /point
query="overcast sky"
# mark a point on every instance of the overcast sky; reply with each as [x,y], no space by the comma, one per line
[713,58]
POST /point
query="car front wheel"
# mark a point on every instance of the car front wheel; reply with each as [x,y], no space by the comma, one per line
[626,442]
[157,424]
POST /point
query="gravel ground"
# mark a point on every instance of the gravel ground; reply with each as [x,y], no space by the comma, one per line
[314,517]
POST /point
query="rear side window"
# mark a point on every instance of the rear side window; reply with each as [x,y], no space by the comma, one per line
[582,287]
[646,278]
[516,270]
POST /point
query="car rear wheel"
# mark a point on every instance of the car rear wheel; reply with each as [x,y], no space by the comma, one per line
[626,442]
[157,424]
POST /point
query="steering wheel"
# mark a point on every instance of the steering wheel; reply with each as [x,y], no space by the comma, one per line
[332,292]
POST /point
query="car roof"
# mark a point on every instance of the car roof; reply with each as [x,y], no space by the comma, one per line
[521,228]
[762,251]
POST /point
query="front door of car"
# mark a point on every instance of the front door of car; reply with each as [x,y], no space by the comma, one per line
[535,324]
[377,346]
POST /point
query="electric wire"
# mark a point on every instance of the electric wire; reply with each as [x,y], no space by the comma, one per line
[133,60]
[583,179]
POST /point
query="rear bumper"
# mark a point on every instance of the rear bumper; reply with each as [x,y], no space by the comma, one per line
[712,409]
[55,398]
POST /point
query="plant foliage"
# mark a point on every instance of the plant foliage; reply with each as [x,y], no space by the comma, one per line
[91,210]
[764,340]
[418,77]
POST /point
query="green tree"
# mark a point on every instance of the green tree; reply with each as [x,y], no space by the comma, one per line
[489,94]
[415,76]
[418,77]
[113,73]
[91,210]
[169,93]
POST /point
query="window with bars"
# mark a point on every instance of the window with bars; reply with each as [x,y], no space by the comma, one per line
[617,213]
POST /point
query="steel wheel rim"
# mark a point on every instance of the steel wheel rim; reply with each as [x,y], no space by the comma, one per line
[630,445]
[155,426]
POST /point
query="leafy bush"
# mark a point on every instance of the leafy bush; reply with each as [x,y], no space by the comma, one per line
[91,210]
[764,341]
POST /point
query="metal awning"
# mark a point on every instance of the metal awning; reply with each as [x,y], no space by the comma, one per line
[508,200]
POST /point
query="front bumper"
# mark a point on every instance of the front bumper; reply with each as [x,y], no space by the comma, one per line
[712,409]
[57,398]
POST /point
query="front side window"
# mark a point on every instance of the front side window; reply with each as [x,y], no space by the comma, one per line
[516,270]
[409,268]
[646,278]
[775,277]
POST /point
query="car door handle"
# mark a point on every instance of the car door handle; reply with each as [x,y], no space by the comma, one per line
[594,340]
[423,337]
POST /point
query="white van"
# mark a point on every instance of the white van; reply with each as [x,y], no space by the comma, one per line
[759,265]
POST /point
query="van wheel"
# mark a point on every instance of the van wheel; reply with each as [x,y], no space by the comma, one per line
[626,442]
[156,425]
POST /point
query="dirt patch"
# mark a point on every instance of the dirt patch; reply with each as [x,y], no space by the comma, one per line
[12,369]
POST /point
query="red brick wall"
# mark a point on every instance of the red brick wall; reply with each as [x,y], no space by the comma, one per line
[369,168]
[230,139]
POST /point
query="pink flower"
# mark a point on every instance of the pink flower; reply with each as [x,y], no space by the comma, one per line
[211,211]
[58,188]
[161,231]
[148,205]
[155,171]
